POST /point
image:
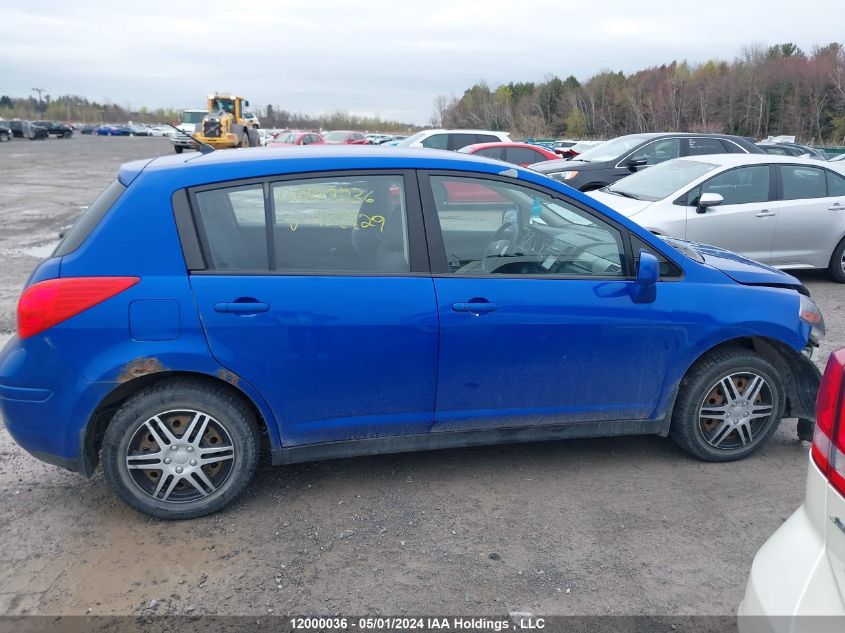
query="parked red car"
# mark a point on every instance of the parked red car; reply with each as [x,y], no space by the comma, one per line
[345,137]
[297,138]
[522,154]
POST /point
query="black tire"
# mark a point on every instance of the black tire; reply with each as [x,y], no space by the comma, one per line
[228,416]
[67,134]
[837,263]
[179,149]
[691,428]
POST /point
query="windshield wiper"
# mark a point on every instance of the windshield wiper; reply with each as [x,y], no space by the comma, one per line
[627,194]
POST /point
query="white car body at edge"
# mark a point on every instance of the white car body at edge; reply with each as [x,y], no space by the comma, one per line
[800,570]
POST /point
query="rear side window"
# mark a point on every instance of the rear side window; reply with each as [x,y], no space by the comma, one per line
[801,182]
[522,155]
[490,152]
[83,226]
[700,146]
[835,184]
[340,224]
[233,222]
[314,225]
[457,141]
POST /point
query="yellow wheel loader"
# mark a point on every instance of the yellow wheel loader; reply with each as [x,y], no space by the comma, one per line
[228,123]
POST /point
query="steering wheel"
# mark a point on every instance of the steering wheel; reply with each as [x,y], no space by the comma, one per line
[505,236]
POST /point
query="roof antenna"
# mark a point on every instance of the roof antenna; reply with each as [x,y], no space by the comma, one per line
[204,148]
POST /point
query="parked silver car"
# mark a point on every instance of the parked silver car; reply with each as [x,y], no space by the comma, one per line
[783,211]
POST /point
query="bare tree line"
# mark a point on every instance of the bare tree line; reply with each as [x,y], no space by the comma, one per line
[765,91]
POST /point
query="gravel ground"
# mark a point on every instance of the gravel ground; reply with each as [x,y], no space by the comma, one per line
[622,525]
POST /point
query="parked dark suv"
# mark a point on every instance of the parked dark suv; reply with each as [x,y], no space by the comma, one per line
[59,130]
[25,129]
[606,163]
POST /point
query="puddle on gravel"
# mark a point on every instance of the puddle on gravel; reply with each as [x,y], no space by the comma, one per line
[39,252]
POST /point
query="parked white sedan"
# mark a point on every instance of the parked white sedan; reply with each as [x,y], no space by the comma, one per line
[783,211]
[797,580]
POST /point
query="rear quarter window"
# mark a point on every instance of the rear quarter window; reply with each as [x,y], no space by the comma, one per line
[90,218]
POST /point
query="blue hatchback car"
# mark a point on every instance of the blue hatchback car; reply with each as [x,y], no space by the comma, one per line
[327,302]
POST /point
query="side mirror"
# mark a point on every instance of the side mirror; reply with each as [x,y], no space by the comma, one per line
[636,161]
[246,103]
[707,200]
[644,289]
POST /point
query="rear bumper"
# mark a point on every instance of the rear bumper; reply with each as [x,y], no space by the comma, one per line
[792,586]
[44,403]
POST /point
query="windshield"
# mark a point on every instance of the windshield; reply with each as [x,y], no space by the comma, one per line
[193,117]
[412,139]
[612,149]
[660,181]
[337,136]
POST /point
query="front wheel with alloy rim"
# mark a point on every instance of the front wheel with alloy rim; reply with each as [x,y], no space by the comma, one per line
[181,449]
[728,404]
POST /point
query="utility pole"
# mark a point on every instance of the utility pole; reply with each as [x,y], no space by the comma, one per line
[40,91]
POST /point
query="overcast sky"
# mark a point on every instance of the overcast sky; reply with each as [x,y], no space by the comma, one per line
[390,58]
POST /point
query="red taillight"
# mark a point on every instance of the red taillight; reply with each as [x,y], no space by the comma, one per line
[829,436]
[50,302]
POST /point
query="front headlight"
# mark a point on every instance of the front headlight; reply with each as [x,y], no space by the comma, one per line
[809,312]
[563,175]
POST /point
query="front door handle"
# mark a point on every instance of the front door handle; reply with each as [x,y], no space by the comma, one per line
[475,306]
[241,307]
[765,213]
[836,207]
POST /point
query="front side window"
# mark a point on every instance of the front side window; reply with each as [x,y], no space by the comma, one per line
[744,185]
[436,141]
[801,182]
[496,227]
[659,151]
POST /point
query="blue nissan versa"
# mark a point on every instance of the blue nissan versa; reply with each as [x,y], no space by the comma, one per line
[330,301]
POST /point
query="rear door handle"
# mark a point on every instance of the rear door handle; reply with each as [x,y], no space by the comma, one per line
[836,207]
[241,307]
[474,306]
[765,213]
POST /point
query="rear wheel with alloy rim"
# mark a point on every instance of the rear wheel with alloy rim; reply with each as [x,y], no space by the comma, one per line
[181,449]
[837,262]
[729,402]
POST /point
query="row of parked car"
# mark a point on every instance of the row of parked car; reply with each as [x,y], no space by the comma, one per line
[33,130]
[779,203]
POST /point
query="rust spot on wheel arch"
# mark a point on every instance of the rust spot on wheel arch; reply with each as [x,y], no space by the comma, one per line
[232,379]
[140,367]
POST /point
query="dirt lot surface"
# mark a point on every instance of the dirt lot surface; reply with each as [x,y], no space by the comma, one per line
[626,525]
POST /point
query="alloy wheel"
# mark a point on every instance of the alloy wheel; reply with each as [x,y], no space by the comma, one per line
[736,410]
[180,456]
